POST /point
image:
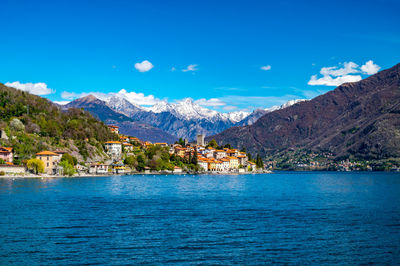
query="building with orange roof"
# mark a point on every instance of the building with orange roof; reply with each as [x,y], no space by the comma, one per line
[6,153]
[252,165]
[225,164]
[127,146]
[113,149]
[50,160]
[242,159]
[233,162]
[218,154]
[114,129]
[203,163]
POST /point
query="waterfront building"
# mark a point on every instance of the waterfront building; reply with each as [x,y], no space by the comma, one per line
[6,153]
[233,162]
[98,169]
[113,149]
[50,160]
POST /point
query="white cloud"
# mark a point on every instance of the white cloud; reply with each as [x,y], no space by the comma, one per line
[61,102]
[370,68]
[71,95]
[329,81]
[268,67]
[144,66]
[39,88]
[192,67]
[173,69]
[229,108]
[213,102]
[335,76]
[138,98]
[348,68]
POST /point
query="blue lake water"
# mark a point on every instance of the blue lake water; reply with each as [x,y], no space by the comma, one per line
[283,218]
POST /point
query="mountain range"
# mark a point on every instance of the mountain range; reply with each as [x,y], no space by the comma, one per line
[165,122]
[360,119]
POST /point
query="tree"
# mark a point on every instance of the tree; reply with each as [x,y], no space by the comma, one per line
[141,164]
[17,125]
[36,165]
[68,169]
[228,146]
[130,160]
[259,162]
[181,142]
[2,161]
[213,143]
[243,149]
[195,157]
[69,158]
[249,156]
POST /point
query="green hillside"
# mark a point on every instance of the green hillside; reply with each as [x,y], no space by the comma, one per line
[33,123]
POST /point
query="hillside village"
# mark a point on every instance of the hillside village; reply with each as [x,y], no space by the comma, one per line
[130,154]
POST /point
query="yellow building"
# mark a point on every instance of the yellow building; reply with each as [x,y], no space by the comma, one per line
[233,162]
[50,160]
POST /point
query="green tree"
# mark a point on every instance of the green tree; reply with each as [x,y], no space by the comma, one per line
[141,163]
[130,160]
[228,146]
[2,161]
[68,169]
[36,165]
[213,143]
[259,162]
[70,159]
[195,158]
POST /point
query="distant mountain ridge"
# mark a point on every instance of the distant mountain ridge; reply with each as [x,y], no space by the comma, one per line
[103,112]
[360,119]
[183,119]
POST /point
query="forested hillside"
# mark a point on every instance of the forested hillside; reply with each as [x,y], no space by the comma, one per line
[33,123]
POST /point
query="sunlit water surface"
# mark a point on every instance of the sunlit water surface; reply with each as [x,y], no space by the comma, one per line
[284,218]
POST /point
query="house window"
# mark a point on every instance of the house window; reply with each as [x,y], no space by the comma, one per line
[47,164]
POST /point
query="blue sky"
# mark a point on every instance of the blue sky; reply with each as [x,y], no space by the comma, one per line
[75,47]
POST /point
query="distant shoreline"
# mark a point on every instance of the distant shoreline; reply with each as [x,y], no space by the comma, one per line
[136,173]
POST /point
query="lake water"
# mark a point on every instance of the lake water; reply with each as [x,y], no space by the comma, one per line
[284,218]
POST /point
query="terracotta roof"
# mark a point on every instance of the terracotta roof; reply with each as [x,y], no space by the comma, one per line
[114,126]
[127,144]
[112,142]
[232,158]
[7,148]
[160,143]
[49,153]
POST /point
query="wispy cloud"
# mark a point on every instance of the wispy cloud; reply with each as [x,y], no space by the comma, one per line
[266,68]
[192,67]
[335,76]
[39,88]
[144,66]
[136,98]
[213,102]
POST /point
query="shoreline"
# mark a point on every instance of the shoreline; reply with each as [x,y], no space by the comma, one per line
[33,176]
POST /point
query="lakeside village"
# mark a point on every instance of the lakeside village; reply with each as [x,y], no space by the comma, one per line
[132,155]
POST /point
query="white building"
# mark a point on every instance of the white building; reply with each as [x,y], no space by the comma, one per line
[98,169]
[114,149]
